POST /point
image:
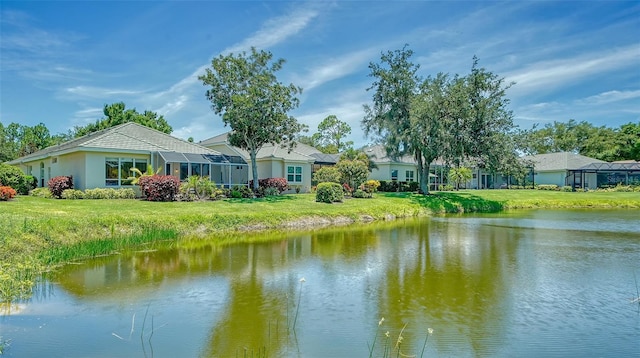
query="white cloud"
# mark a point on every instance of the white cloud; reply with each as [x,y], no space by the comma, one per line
[558,73]
[610,96]
[335,68]
[99,92]
[278,29]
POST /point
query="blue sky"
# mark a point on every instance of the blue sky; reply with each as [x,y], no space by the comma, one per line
[61,61]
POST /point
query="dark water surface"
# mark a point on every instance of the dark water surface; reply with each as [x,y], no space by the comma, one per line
[518,284]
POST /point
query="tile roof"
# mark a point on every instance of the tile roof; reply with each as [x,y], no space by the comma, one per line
[560,161]
[299,152]
[124,137]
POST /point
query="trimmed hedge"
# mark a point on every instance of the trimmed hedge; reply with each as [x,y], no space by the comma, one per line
[159,187]
[402,186]
[329,193]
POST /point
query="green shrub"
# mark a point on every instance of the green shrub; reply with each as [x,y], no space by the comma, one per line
[445,187]
[329,193]
[235,194]
[245,191]
[370,186]
[72,194]
[59,184]
[359,193]
[327,175]
[126,193]
[41,193]
[566,188]
[271,191]
[218,194]
[547,187]
[15,178]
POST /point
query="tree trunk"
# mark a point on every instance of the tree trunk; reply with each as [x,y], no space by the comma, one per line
[423,167]
[254,169]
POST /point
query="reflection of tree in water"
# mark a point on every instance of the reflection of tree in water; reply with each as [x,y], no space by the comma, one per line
[256,316]
[448,274]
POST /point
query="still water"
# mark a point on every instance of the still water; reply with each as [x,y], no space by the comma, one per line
[517,284]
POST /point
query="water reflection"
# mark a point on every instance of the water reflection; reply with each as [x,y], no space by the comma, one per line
[481,282]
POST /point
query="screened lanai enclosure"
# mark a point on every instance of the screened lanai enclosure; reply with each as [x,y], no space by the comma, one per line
[224,170]
[606,174]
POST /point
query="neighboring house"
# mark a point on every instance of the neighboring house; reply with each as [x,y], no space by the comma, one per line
[624,172]
[273,161]
[403,169]
[562,169]
[104,159]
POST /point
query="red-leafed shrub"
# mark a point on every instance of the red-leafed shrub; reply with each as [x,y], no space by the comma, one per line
[159,187]
[7,192]
[279,183]
[59,184]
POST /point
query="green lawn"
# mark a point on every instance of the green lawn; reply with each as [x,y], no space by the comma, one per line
[37,233]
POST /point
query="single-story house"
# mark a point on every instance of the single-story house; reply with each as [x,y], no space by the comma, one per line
[625,172]
[273,161]
[562,168]
[104,159]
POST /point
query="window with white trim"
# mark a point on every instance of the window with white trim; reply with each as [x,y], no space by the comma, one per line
[410,175]
[294,174]
[118,170]
[394,174]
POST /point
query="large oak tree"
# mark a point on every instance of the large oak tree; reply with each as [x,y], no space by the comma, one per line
[245,91]
[458,119]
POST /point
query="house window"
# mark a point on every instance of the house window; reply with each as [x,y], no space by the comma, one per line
[184,171]
[409,175]
[118,170]
[294,174]
[394,174]
[195,169]
[54,160]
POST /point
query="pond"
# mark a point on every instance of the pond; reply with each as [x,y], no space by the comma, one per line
[544,283]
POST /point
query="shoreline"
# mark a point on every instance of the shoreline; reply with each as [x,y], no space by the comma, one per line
[40,234]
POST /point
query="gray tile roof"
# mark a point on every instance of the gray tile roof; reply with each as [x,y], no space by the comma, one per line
[267,151]
[560,161]
[131,137]
[378,154]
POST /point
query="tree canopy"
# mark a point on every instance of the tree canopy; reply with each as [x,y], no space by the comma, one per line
[604,143]
[116,113]
[245,91]
[330,136]
[456,118]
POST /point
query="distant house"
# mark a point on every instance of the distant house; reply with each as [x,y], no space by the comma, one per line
[562,169]
[273,161]
[104,159]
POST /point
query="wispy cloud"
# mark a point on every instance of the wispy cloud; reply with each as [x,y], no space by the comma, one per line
[278,29]
[100,92]
[273,31]
[558,73]
[610,96]
[335,68]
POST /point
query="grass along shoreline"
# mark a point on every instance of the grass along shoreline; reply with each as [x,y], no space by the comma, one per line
[38,234]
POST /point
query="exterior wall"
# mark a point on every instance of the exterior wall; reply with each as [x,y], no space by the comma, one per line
[554,177]
[72,164]
[305,185]
[385,169]
[96,171]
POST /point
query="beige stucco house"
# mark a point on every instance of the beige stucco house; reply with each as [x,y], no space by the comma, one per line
[273,161]
[104,159]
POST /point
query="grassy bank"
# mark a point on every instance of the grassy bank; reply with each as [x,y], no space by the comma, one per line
[37,234]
